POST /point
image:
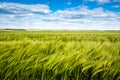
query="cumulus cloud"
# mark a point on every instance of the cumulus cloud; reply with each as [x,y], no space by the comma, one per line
[68,3]
[103,1]
[16,8]
[84,18]
[99,1]
[14,15]
[116,1]
[116,6]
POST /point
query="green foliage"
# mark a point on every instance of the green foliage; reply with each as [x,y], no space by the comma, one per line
[59,55]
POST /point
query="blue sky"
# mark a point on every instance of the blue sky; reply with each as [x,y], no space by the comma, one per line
[60,14]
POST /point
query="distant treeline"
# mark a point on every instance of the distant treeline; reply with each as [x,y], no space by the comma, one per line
[14,29]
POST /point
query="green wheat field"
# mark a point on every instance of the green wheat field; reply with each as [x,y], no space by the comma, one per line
[59,55]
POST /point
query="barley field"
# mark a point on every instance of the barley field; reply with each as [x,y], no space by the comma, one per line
[59,55]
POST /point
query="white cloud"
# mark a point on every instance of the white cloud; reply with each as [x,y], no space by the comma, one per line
[116,6]
[14,15]
[16,8]
[84,18]
[99,1]
[68,3]
[103,1]
[116,0]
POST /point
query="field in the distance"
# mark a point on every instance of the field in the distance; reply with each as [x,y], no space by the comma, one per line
[59,55]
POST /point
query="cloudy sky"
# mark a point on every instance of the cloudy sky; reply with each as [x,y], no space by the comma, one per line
[60,14]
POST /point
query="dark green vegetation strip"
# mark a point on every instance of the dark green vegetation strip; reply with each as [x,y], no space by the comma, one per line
[59,55]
